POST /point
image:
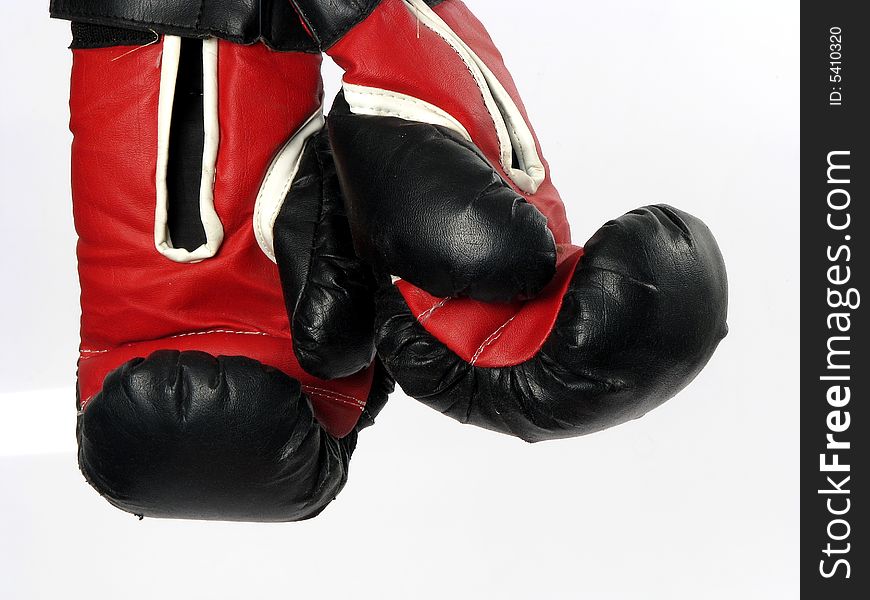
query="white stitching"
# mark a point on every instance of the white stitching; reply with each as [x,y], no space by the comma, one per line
[337,393]
[180,335]
[491,339]
[424,316]
[327,398]
[324,396]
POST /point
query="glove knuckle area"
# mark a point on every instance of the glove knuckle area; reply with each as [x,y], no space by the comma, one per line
[660,272]
[642,314]
[426,206]
[275,23]
[188,435]
[526,400]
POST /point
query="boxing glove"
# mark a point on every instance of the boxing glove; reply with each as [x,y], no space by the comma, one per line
[497,318]
[227,330]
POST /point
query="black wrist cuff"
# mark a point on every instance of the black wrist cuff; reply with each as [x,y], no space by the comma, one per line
[273,22]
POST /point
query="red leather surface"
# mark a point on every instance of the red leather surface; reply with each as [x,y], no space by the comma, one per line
[489,334]
[131,294]
[338,404]
[474,34]
[390,50]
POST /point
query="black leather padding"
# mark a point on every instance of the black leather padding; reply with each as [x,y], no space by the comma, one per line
[186,435]
[644,312]
[382,386]
[328,20]
[329,292]
[88,35]
[425,205]
[273,22]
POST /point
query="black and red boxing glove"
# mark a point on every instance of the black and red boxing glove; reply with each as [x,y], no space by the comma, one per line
[198,164]
[499,319]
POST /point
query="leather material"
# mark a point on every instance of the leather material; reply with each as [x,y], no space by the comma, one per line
[645,309]
[442,218]
[623,325]
[187,435]
[88,35]
[114,107]
[123,279]
[494,334]
[327,289]
[439,76]
[392,51]
[193,402]
[273,22]
[338,403]
[328,21]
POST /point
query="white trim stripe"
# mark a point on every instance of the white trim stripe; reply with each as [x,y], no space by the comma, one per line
[214,232]
[277,182]
[513,132]
[376,102]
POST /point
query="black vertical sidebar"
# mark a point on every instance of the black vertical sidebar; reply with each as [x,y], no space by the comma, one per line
[835,365]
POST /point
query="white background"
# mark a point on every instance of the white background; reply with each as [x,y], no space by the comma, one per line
[636,102]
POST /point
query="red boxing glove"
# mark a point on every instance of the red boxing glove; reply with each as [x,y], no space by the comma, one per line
[197,165]
[447,189]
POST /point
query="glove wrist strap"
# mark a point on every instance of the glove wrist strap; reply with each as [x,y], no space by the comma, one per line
[272,21]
